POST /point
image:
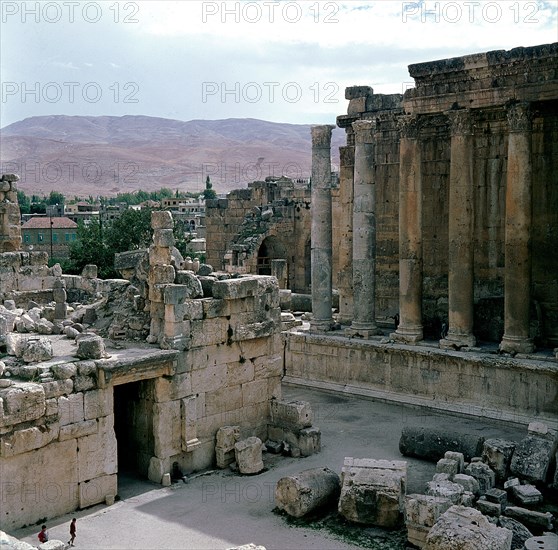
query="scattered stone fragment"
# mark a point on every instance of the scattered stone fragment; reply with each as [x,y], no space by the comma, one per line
[513,482]
[544,542]
[469,483]
[483,474]
[373,491]
[527,494]
[520,532]
[532,458]
[466,529]
[306,491]
[458,457]
[91,347]
[37,349]
[226,438]
[447,466]
[421,513]
[530,518]
[489,508]
[248,454]
[497,453]
[445,489]
[432,444]
[497,495]
[274,447]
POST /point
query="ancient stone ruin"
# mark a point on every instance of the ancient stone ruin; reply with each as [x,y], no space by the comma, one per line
[75,408]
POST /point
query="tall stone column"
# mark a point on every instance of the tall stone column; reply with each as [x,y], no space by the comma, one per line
[460,226]
[517,278]
[410,232]
[364,232]
[345,278]
[321,254]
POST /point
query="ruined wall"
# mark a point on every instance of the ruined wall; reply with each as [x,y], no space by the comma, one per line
[460,382]
[238,225]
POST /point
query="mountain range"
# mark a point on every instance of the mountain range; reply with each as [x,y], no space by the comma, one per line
[105,155]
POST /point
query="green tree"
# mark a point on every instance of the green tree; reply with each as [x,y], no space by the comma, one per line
[55,198]
[209,193]
[130,231]
[90,248]
[24,202]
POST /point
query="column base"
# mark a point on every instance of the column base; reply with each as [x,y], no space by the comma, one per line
[407,335]
[321,325]
[365,331]
[517,344]
[456,341]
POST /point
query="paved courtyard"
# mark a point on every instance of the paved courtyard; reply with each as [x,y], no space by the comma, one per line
[220,509]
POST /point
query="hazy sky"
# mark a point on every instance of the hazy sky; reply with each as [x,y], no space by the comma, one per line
[275,60]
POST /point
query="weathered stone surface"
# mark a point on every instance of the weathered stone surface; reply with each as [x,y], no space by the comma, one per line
[432,444]
[497,454]
[248,455]
[421,513]
[520,533]
[469,483]
[97,490]
[306,491]
[532,458]
[291,414]
[244,287]
[527,494]
[64,371]
[23,441]
[466,529]
[91,347]
[483,474]
[488,508]
[177,294]
[20,403]
[530,518]
[80,429]
[310,441]
[167,429]
[70,409]
[11,543]
[44,326]
[445,489]
[548,541]
[373,491]
[97,453]
[447,466]
[161,219]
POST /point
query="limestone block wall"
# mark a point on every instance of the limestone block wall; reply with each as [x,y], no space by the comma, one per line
[480,385]
[57,445]
[231,366]
[229,229]
[10,226]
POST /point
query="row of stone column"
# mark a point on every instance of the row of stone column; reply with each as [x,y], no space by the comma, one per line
[460,229]
[517,280]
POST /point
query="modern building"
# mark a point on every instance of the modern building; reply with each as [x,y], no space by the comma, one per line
[51,235]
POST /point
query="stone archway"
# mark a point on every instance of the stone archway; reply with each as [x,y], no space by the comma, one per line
[271,248]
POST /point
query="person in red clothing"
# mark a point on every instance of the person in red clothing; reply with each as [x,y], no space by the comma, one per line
[72,532]
[43,534]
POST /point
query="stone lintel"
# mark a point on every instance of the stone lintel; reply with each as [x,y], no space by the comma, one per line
[112,372]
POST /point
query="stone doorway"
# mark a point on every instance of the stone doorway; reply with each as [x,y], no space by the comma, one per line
[133,426]
[272,248]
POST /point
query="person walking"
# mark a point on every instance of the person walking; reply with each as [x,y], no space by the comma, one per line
[72,532]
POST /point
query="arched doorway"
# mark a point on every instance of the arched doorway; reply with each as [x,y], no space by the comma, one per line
[272,248]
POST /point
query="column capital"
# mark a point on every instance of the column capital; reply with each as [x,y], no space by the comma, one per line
[321,135]
[520,117]
[408,126]
[461,122]
[364,130]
